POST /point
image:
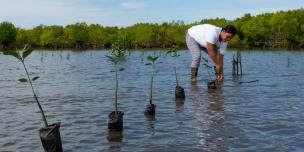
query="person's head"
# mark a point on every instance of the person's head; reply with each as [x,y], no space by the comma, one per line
[228,33]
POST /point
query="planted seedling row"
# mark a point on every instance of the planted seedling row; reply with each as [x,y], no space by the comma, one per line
[50,134]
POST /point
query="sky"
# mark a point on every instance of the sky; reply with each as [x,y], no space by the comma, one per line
[28,14]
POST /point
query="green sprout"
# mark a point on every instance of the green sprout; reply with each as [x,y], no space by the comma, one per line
[174,50]
[153,64]
[25,53]
[208,67]
[116,59]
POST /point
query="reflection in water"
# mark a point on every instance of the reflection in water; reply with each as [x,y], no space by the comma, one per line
[210,114]
[115,136]
[179,102]
[151,118]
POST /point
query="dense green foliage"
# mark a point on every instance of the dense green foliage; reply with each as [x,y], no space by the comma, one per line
[280,29]
[8,33]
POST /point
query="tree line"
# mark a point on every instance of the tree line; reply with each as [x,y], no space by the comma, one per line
[280,29]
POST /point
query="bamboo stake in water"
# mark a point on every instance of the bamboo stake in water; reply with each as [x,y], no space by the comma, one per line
[116,90]
[240,62]
[233,66]
[237,63]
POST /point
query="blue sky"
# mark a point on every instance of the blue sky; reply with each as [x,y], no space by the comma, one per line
[31,13]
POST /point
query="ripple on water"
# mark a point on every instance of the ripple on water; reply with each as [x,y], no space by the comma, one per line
[79,93]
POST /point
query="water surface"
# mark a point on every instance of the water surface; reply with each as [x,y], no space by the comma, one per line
[79,92]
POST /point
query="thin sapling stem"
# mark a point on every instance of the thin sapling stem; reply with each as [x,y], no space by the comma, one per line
[176,56]
[207,67]
[21,58]
[119,46]
[153,64]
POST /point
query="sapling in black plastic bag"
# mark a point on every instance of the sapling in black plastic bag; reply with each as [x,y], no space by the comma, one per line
[49,134]
[211,84]
[150,109]
[179,91]
[119,46]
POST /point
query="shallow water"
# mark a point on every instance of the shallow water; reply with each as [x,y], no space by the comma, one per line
[79,92]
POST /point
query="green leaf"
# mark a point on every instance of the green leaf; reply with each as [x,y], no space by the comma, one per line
[112,59]
[160,62]
[148,64]
[35,78]
[150,58]
[27,52]
[23,80]
[154,59]
[25,45]
[113,71]
[121,69]
[168,52]
[122,57]
[179,55]
[12,53]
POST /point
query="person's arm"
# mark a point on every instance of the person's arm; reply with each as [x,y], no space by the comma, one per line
[220,57]
[212,55]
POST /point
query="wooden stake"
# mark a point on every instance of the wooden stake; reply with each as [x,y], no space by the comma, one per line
[237,63]
[240,61]
[233,66]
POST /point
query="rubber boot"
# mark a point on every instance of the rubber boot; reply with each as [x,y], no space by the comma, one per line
[194,74]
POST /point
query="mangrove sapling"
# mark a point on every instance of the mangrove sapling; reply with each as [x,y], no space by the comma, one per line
[211,85]
[150,110]
[119,45]
[179,91]
[116,117]
[49,134]
[116,60]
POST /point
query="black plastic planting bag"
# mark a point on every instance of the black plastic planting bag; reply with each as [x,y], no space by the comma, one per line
[50,138]
[150,110]
[211,85]
[179,93]
[115,121]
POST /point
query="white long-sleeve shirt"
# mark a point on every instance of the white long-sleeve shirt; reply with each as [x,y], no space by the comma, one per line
[208,33]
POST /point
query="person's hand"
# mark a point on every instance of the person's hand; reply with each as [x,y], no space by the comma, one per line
[218,66]
[220,78]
